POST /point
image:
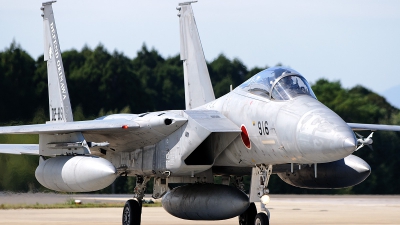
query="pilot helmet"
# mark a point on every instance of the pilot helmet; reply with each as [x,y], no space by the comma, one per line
[287,80]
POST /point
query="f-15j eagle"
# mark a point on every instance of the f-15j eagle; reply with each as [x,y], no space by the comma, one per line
[270,124]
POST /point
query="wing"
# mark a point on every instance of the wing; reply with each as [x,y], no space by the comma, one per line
[100,126]
[121,132]
[152,128]
[115,126]
[373,127]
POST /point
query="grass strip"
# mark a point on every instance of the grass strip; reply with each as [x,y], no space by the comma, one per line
[69,205]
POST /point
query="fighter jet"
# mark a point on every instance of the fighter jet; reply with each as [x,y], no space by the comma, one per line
[271,124]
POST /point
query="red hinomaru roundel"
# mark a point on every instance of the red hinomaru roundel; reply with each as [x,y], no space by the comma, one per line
[245,137]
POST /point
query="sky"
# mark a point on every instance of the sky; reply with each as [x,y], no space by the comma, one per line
[356,42]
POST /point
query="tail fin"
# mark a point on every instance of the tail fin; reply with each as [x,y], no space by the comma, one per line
[198,88]
[59,103]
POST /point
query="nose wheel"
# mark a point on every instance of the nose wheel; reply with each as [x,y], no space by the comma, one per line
[247,218]
[261,219]
[250,217]
[132,212]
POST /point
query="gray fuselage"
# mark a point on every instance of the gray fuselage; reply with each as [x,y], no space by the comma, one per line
[300,130]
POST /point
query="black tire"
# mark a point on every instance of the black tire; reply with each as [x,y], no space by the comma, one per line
[132,213]
[261,219]
[247,218]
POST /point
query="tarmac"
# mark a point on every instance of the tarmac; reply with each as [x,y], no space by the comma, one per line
[284,209]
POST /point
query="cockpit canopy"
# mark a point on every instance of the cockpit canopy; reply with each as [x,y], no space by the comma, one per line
[278,83]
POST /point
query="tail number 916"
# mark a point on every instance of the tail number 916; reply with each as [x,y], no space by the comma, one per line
[263,128]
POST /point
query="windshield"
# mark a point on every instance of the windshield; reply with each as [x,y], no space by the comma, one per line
[291,86]
[278,83]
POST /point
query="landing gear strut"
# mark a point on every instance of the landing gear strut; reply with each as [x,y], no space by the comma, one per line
[263,172]
[258,192]
[132,213]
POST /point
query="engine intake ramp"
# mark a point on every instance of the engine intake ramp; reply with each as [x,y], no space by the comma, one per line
[203,138]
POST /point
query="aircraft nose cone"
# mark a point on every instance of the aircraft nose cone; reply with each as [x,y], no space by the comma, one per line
[312,133]
[322,135]
[350,144]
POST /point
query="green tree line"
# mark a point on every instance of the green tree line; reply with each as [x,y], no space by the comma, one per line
[102,83]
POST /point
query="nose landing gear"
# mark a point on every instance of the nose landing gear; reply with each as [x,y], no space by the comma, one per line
[261,219]
[132,212]
[258,192]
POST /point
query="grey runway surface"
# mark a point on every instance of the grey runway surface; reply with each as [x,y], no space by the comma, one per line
[285,209]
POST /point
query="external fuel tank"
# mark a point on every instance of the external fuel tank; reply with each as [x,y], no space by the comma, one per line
[205,202]
[75,173]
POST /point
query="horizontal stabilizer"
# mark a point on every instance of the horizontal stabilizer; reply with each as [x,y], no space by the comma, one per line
[373,127]
[20,149]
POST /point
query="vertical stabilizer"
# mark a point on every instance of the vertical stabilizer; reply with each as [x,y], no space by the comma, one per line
[198,88]
[59,103]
